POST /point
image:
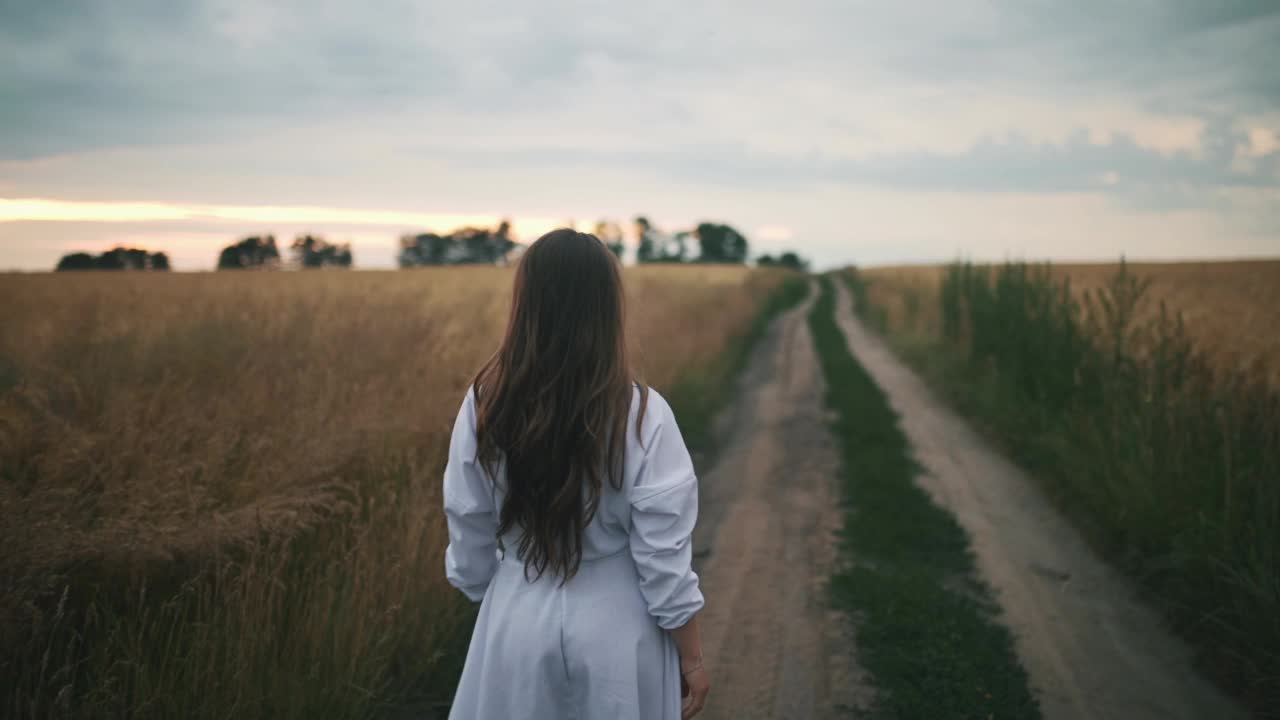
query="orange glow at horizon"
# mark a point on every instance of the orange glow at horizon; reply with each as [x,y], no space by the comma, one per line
[49,210]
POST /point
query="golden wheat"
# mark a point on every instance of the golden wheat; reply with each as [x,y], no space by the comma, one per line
[193,463]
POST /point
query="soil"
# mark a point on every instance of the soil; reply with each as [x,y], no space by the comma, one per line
[765,543]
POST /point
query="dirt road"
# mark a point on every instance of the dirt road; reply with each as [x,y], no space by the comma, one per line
[1091,650]
[764,544]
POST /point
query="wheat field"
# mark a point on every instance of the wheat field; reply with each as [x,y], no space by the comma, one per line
[1230,309]
[220,491]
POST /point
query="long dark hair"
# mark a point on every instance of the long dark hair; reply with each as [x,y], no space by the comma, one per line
[553,401]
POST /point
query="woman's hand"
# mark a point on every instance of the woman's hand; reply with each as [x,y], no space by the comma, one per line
[694,686]
[694,682]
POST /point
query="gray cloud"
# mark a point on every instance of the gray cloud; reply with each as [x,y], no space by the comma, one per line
[84,75]
[1174,55]
[1119,167]
[79,76]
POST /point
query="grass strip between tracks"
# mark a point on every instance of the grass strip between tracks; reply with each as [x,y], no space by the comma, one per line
[925,626]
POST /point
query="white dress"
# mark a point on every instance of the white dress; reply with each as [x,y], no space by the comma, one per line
[595,647]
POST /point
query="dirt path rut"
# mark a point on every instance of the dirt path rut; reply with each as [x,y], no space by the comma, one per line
[764,545]
[1091,649]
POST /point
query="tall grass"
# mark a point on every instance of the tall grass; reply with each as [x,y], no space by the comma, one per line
[1244,293]
[1170,462]
[221,493]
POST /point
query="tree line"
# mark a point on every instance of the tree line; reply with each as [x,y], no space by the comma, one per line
[254,252]
[715,243]
[119,258]
[260,251]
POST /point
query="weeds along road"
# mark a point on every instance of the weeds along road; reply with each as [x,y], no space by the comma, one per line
[765,542]
[1090,648]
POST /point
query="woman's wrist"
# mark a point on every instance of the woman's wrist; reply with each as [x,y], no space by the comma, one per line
[690,664]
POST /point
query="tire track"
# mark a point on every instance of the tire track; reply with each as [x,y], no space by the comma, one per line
[766,542]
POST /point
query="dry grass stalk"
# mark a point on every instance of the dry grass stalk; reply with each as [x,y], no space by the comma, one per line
[220,491]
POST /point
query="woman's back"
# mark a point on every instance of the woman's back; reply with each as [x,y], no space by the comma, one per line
[592,645]
[609,530]
[571,501]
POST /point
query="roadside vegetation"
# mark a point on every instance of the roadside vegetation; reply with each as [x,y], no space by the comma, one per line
[925,625]
[1164,451]
[1227,308]
[221,491]
[702,390]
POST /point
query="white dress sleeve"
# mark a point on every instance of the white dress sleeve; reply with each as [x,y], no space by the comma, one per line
[664,509]
[471,558]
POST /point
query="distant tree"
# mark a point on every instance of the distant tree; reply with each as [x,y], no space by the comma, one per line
[121,258]
[481,245]
[720,243]
[468,245]
[315,252]
[610,233]
[118,258]
[793,261]
[675,248]
[423,249]
[787,259]
[501,243]
[135,259]
[250,253]
[77,261]
[657,246]
[646,248]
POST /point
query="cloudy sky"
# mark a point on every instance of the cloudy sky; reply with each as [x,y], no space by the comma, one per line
[865,132]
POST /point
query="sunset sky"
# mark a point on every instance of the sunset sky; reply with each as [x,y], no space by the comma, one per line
[865,132]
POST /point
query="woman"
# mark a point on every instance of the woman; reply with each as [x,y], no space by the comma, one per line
[570,499]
